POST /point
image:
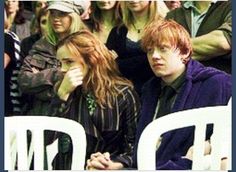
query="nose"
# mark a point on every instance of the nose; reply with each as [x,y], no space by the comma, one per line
[63,69]
[156,55]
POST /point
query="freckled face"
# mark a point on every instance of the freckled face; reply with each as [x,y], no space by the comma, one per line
[164,60]
[69,61]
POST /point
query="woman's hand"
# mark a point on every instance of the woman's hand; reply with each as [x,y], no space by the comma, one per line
[99,161]
[72,79]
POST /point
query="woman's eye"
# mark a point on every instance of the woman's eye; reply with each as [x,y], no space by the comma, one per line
[68,62]
[55,13]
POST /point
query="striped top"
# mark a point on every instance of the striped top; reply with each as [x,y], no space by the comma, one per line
[13,105]
[107,130]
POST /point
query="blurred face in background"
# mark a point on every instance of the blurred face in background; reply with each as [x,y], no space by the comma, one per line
[106,5]
[12,6]
[173,4]
[39,5]
[60,21]
[43,24]
[87,11]
[137,6]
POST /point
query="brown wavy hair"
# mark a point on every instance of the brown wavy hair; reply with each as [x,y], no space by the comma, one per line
[103,79]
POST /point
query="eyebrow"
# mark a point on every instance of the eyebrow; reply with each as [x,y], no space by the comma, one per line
[66,59]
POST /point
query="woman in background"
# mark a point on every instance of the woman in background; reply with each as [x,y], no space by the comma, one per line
[39,71]
[28,42]
[17,22]
[37,6]
[125,40]
[104,17]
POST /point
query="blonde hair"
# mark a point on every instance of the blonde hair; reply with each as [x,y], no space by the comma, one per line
[76,25]
[6,23]
[103,79]
[127,16]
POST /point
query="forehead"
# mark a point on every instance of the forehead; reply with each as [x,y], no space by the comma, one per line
[164,38]
[63,53]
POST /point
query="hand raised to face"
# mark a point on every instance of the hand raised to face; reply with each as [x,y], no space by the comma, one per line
[72,79]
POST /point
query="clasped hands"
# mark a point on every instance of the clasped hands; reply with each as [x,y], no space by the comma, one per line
[99,161]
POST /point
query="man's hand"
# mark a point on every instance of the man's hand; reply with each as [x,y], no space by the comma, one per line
[207,150]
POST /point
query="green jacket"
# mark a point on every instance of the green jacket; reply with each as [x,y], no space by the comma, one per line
[39,86]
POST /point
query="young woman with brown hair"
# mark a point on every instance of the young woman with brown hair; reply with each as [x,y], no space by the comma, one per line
[93,93]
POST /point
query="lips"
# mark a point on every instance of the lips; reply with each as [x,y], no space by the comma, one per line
[157,65]
[56,25]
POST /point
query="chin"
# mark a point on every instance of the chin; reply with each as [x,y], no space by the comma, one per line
[159,74]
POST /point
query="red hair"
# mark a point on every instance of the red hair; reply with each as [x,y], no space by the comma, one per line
[168,32]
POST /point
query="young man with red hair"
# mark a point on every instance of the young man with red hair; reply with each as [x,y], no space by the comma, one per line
[180,83]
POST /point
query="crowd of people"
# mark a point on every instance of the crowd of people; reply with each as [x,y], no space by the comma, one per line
[114,67]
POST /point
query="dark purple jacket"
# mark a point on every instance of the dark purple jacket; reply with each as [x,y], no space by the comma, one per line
[204,86]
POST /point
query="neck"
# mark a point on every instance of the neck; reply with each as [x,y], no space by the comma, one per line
[11,18]
[140,18]
[171,78]
[202,5]
[62,35]
[107,17]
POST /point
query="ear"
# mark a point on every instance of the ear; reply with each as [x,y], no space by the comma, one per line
[185,57]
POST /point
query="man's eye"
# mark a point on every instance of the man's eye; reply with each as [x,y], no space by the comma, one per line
[163,48]
[149,50]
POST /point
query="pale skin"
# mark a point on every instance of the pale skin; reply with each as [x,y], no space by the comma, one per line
[215,43]
[74,69]
[99,161]
[166,62]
